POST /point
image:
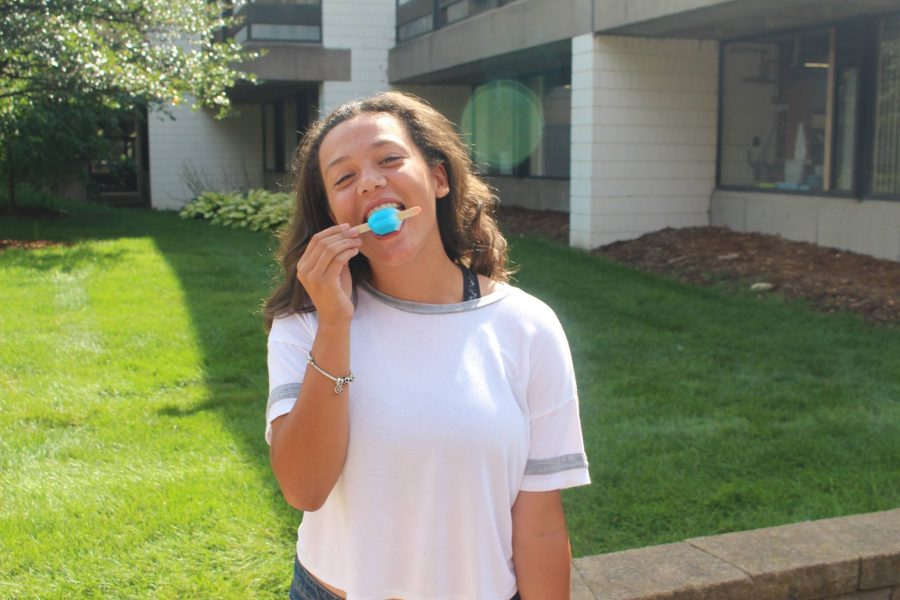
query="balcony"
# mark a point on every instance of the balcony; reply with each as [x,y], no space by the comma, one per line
[288,35]
[297,21]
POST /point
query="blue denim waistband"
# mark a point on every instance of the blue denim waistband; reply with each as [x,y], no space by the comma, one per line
[305,587]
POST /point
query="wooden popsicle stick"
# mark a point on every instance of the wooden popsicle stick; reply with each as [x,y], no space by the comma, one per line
[403,214]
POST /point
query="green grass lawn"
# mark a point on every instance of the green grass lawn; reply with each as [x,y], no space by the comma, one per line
[133,385]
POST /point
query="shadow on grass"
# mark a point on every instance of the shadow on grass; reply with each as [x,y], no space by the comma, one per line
[224,277]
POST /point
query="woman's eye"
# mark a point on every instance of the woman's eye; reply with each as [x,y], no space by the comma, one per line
[390,158]
[342,179]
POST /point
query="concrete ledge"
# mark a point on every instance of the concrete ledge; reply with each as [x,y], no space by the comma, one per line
[298,62]
[849,558]
[535,193]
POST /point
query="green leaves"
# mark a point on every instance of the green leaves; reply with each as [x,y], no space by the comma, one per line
[257,210]
[68,66]
[157,50]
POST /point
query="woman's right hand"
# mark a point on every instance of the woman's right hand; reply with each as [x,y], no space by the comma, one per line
[325,273]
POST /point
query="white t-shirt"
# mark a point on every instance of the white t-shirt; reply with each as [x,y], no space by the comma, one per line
[455,409]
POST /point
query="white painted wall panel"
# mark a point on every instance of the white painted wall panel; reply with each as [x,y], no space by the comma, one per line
[367,28]
[868,227]
[227,154]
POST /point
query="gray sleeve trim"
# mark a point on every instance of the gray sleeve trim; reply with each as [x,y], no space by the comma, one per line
[282,392]
[548,466]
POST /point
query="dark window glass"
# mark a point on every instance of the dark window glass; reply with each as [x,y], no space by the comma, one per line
[273,136]
[886,154]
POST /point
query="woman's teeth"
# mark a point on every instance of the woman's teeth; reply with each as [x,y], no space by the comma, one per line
[396,205]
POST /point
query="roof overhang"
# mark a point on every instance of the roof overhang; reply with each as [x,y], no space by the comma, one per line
[725,19]
[556,56]
[529,30]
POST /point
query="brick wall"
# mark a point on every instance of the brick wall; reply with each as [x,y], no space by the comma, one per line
[644,114]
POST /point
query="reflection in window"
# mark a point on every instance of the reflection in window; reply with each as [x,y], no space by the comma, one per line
[848,57]
[454,12]
[774,111]
[886,156]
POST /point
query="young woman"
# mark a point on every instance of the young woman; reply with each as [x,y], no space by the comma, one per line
[422,411]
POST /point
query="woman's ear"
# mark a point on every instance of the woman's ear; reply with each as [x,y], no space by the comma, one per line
[441,181]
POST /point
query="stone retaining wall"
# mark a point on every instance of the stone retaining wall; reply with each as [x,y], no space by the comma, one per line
[849,558]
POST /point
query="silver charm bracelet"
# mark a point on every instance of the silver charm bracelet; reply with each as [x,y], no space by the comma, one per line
[339,382]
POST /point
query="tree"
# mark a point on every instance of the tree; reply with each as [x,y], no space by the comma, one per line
[68,66]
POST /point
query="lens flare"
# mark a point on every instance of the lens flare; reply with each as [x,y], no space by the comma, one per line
[503,121]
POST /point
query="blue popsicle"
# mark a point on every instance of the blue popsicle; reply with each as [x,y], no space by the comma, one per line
[384,221]
[387,220]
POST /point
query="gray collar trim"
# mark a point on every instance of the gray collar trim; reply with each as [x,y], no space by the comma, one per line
[500,291]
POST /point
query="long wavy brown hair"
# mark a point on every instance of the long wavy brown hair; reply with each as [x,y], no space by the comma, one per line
[466,216]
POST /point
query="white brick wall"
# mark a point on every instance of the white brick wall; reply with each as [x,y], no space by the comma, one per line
[581,203]
[643,136]
[225,153]
[367,28]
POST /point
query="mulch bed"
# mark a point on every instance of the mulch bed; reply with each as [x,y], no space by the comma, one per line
[828,279]
[27,244]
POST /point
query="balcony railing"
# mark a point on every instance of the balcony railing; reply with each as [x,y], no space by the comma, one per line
[418,17]
[295,21]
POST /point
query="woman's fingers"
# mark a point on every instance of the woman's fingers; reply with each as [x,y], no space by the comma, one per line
[327,253]
[340,261]
[333,254]
[316,245]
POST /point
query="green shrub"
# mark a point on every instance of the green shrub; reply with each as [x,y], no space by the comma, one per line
[258,210]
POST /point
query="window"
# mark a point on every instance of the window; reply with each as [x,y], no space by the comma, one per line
[848,60]
[298,33]
[273,136]
[418,26]
[418,17]
[454,12]
[775,111]
[814,111]
[521,127]
[886,154]
[277,21]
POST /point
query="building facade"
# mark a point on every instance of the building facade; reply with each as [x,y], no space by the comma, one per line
[774,116]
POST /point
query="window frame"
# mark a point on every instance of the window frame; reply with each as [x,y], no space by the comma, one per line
[864,136]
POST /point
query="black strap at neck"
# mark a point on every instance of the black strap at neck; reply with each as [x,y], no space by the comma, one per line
[471,289]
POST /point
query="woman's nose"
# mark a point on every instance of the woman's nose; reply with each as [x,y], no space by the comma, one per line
[369,180]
